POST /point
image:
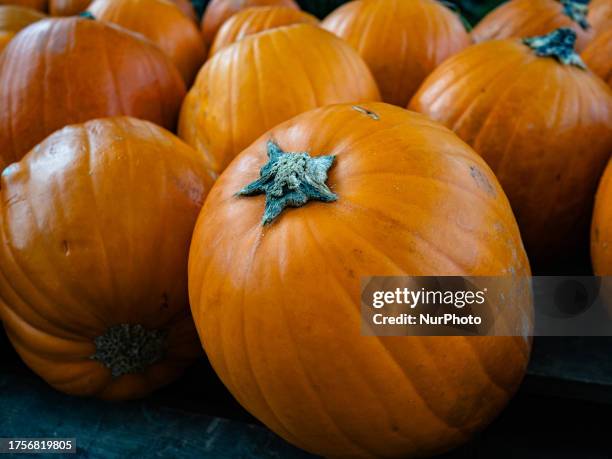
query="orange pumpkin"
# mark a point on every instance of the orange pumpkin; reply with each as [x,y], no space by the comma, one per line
[601,229]
[67,7]
[402,41]
[600,15]
[40,5]
[526,18]
[542,122]
[70,70]
[277,306]
[254,84]
[598,56]
[255,20]
[95,300]
[13,19]
[187,8]
[164,24]
[219,11]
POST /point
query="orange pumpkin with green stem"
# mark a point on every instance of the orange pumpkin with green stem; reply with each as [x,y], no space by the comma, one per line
[328,197]
[95,300]
[264,79]
[598,56]
[219,11]
[254,20]
[111,72]
[164,24]
[541,120]
[526,18]
[401,41]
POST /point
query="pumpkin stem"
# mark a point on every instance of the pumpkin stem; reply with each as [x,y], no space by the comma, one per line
[290,180]
[126,348]
[577,12]
[558,44]
[87,15]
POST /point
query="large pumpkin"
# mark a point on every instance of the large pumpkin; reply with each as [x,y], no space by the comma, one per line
[13,19]
[164,24]
[254,84]
[95,299]
[254,20]
[40,5]
[526,18]
[219,11]
[598,56]
[67,7]
[601,229]
[62,71]
[541,120]
[276,303]
[401,41]
[600,15]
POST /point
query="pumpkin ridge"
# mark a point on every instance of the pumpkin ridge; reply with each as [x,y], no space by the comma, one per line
[558,44]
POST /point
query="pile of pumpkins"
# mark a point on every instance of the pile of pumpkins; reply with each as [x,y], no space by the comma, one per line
[168,185]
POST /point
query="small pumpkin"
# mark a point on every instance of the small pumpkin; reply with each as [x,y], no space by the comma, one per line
[276,302]
[13,19]
[67,7]
[258,19]
[598,56]
[95,300]
[541,120]
[401,41]
[40,5]
[526,18]
[91,70]
[254,84]
[219,11]
[164,24]
[600,15]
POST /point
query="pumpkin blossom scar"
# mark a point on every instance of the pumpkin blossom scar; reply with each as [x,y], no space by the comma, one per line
[290,180]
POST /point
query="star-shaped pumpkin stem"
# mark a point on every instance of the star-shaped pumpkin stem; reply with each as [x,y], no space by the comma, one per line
[290,180]
[577,12]
[558,44]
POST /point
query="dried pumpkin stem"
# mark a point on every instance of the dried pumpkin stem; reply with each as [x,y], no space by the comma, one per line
[127,348]
[558,44]
[577,12]
[290,180]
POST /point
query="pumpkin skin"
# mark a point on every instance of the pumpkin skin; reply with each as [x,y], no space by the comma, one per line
[107,254]
[13,19]
[187,8]
[220,122]
[40,5]
[598,56]
[67,7]
[412,200]
[527,18]
[5,37]
[545,128]
[112,72]
[164,24]
[219,11]
[401,41]
[600,15]
[255,20]
[601,229]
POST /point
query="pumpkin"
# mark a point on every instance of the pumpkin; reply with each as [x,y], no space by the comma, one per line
[526,18]
[67,7]
[254,20]
[187,8]
[401,41]
[598,56]
[40,5]
[601,229]
[70,70]
[275,293]
[164,24]
[543,123]
[600,15]
[95,300]
[219,11]
[13,19]
[254,84]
